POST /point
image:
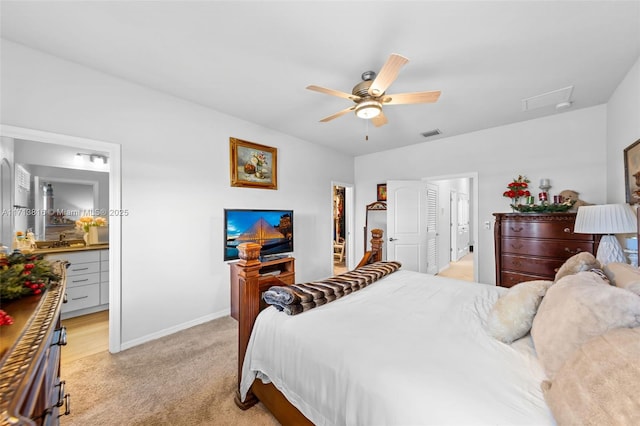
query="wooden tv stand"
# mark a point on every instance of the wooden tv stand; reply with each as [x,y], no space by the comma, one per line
[282,269]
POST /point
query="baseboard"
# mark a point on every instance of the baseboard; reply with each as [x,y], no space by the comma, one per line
[167,331]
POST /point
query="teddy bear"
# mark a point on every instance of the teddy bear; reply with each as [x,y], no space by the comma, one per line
[583,261]
[568,194]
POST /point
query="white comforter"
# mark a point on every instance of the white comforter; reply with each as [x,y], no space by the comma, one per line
[409,349]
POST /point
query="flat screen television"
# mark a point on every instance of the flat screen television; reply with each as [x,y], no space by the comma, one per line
[272,229]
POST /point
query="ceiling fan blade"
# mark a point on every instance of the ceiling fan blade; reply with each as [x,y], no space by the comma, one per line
[379,120]
[338,114]
[334,92]
[411,98]
[387,75]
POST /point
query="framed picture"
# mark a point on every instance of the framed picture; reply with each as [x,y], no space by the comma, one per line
[632,172]
[253,165]
[382,192]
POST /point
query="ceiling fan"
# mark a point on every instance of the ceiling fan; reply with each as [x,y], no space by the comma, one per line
[369,95]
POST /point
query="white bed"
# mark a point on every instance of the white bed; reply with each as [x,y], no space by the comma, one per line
[408,349]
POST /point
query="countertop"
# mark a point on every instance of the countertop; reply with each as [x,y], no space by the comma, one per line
[71,249]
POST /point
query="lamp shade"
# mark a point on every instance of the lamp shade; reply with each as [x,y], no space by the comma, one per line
[368,109]
[605,219]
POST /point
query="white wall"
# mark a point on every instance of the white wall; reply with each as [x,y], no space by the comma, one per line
[623,128]
[569,148]
[175,184]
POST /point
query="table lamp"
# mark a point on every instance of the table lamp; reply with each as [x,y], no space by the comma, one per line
[607,219]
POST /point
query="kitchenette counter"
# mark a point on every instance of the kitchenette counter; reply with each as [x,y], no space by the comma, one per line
[53,250]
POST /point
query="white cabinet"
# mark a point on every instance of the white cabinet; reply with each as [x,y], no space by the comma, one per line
[104,277]
[87,281]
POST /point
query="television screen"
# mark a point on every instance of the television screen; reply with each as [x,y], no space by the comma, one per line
[272,229]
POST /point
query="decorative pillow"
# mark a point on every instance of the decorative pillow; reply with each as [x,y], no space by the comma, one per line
[512,315]
[575,309]
[624,276]
[600,383]
[583,261]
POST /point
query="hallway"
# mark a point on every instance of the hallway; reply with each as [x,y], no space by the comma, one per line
[462,269]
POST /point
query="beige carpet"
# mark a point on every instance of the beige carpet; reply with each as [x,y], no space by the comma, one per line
[188,378]
[462,269]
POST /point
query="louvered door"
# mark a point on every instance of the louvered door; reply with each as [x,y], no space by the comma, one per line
[432,228]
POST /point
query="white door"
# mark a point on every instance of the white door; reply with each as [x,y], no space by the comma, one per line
[406,234]
[453,226]
[432,228]
[462,240]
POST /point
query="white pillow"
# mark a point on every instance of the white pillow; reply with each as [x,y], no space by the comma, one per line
[512,315]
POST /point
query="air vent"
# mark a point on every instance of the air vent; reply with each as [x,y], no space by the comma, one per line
[434,132]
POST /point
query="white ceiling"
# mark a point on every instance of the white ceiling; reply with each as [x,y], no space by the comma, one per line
[253,59]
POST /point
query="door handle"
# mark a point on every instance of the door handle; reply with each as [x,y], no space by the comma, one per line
[393,239]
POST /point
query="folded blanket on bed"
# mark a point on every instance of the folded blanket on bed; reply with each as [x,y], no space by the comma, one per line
[297,298]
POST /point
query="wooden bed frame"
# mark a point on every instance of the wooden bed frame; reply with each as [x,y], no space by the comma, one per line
[249,307]
[250,295]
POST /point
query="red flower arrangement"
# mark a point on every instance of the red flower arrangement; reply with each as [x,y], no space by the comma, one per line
[24,275]
[517,189]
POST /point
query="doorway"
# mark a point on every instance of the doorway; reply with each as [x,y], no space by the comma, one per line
[6,204]
[419,222]
[342,224]
[456,223]
[113,152]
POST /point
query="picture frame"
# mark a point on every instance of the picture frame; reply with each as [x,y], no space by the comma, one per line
[382,192]
[632,172]
[253,165]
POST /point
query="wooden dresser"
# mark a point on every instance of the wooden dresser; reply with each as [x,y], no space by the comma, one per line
[532,246]
[31,392]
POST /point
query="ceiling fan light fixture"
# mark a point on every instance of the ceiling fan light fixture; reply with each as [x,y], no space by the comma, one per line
[368,109]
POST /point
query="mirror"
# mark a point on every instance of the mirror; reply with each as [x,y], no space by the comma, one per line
[376,218]
[65,201]
[77,187]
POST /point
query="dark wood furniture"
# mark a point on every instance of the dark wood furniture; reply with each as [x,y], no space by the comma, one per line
[250,286]
[31,392]
[532,246]
[282,269]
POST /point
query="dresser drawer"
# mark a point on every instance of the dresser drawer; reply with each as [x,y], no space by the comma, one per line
[549,229]
[562,249]
[509,279]
[83,268]
[82,297]
[86,279]
[531,265]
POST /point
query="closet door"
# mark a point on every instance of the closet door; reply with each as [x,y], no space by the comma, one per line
[432,228]
[406,231]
